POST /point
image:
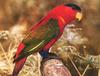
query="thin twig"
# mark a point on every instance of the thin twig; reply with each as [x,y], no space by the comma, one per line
[5,54]
[80,57]
[98,72]
[9,48]
[39,64]
[85,70]
[74,66]
[10,51]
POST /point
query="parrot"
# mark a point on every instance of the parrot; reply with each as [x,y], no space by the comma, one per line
[41,36]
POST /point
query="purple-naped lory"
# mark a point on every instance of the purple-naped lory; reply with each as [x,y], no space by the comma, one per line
[45,33]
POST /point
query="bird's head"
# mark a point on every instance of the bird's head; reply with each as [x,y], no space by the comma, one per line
[67,13]
[77,11]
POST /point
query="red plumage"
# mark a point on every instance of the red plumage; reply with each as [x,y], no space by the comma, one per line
[44,34]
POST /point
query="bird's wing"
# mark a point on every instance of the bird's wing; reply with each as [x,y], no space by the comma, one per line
[39,37]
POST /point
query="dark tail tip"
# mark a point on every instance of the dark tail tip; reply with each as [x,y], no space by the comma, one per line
[14,56]
[14,61]
[18,66]
[14,73]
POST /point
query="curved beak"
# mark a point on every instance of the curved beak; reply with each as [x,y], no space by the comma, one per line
[79,16]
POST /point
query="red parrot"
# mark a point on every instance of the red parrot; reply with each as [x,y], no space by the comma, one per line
[45,33]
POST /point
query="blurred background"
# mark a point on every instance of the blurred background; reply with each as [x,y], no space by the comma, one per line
[17,16]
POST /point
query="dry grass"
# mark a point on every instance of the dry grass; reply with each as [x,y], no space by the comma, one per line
[30,12]
[31,67]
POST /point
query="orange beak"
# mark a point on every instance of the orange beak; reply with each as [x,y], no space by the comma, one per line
[79,16]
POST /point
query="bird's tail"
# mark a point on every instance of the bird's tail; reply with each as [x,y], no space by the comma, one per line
[18,66]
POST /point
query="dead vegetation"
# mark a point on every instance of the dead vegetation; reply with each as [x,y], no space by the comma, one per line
[79,50]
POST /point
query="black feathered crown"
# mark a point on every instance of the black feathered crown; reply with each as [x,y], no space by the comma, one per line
[73,6]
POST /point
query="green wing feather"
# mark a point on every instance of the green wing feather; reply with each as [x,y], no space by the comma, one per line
[39,37]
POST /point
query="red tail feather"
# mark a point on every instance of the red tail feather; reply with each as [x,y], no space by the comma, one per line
[18,66]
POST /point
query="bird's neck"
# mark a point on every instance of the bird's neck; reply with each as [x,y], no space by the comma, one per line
[62,23]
